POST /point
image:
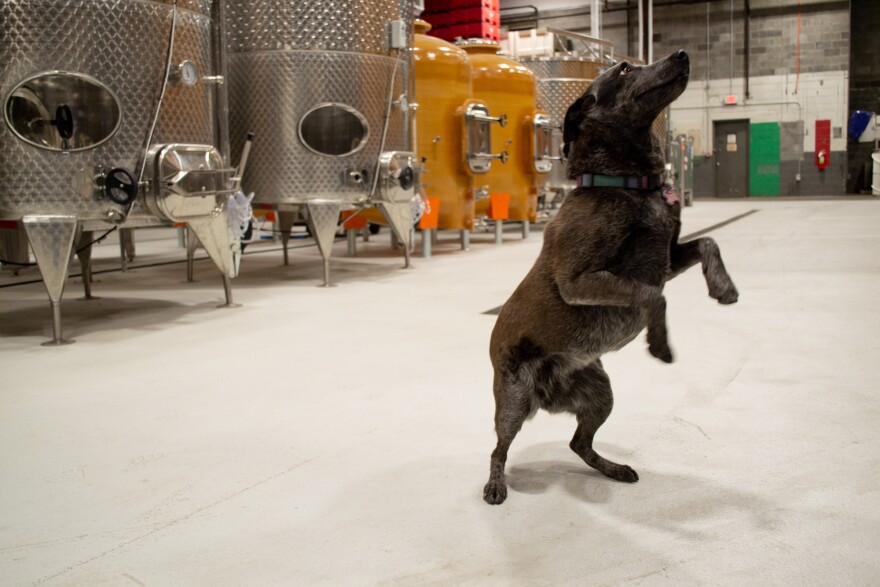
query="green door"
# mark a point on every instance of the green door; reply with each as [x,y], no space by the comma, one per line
[764,159]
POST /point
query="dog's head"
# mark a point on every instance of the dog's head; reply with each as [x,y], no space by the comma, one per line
[620,105]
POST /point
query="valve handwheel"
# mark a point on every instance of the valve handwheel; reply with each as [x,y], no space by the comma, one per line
[120,186]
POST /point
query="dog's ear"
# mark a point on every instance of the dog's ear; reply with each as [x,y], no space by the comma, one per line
[575,115]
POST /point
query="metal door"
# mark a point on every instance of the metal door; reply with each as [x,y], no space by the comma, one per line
[731,152]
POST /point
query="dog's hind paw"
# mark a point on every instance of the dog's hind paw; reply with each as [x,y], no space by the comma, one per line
[623,473]
[495,492]
[660,351]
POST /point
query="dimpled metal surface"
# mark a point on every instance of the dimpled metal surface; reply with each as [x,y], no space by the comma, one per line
[311,25]
[555,96]
[271,92]
[557,68]
[288,57]
[561,81]
[122,44]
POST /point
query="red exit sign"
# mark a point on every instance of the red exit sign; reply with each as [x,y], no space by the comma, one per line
[730,100]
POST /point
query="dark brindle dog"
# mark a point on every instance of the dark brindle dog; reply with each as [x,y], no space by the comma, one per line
[599,278]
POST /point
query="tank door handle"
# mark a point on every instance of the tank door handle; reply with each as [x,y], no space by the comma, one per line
[478,138]
[63,121]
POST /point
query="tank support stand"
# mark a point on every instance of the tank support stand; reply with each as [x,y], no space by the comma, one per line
[427,240]
[400,218]
[285,225]
[213,235]
[323,218]
[51,239]
[84,253]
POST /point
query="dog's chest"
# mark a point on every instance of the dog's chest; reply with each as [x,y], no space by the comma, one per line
[644,253]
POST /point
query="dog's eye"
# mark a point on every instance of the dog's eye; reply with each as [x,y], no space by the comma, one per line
[625,70]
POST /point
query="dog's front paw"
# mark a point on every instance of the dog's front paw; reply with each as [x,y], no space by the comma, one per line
[658,344]
[729,296]
[495,492]
[725,294]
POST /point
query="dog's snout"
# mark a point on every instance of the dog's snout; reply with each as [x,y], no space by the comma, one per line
[680,55]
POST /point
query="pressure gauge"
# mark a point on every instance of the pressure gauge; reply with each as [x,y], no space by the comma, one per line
[186,73]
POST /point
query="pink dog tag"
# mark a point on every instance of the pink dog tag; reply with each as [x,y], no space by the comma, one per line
[670,196]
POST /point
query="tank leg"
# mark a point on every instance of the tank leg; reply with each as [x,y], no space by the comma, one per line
[400,219]
[126,247]
[123,261]
[465,240]
[192,243]
[526,228]
[84,253]
[227,290]
[222,247]
[51,239]
[352,236]
[323,218]
[427,240]
[499,232]
[285,224]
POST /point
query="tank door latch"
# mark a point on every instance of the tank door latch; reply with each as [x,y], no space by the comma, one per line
[542,143]
[478,138]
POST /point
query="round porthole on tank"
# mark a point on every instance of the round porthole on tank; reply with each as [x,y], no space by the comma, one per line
[62,111]
[335,130]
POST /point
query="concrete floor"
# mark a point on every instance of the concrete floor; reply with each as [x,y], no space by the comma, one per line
[341,436]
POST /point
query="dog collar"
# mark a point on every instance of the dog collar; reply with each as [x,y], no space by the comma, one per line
[631,182]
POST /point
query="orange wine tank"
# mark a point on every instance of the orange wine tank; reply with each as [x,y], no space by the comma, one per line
[509,89]
[443,90]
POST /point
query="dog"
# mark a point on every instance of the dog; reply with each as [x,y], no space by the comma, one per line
[598,280]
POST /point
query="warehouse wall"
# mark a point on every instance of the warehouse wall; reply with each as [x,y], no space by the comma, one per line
[789,83]
[864,92]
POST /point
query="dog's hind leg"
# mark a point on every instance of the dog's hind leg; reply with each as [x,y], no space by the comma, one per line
[705,251]
[513,405]
[592,411]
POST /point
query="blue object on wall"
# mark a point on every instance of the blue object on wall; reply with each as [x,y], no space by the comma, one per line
[858,122]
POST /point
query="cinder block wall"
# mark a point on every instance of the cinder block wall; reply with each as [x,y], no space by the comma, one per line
[864,89]
[808,81]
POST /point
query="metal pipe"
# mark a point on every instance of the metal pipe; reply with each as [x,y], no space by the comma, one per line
[746,33]
[641,30]
[223,88]
[730,77]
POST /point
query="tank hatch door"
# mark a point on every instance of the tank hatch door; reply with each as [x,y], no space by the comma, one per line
[478,138]
[186,181]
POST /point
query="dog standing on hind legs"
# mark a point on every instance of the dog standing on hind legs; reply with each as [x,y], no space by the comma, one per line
[599,278]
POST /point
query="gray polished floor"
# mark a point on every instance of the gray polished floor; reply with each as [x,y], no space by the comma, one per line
[341,436]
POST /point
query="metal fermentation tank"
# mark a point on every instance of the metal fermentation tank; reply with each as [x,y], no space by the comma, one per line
[561,81]
[84,143]
[509,89]
[446,110]
[324,85]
